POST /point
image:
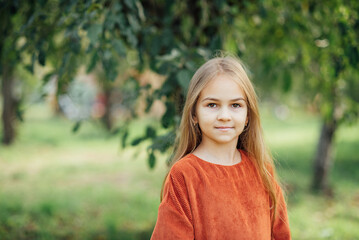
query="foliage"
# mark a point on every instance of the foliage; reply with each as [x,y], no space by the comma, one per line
[161,34]
[314,46]
[307,46]
[310,47]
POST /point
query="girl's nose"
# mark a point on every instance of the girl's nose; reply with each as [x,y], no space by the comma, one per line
[223,114]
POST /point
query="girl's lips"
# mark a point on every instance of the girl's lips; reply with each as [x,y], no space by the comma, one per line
[224,128]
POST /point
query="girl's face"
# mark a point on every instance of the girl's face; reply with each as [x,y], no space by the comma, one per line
[221,111]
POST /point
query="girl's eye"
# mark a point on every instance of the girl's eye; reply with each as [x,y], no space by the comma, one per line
[212,105]
[236,105]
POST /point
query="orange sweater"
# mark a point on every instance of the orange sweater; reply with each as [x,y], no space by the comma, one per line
[205,201]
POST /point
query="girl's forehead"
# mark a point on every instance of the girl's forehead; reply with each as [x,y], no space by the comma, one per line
[223,86]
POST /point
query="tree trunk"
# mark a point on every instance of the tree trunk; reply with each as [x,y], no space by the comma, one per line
[323,159]
[9,105]
[107,117]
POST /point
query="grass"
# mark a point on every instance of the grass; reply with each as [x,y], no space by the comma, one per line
[58,185]
[315,216]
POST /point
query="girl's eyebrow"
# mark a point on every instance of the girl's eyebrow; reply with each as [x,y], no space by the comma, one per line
[215,99]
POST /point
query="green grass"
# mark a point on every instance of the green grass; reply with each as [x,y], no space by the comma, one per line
[314,216]
[58,185]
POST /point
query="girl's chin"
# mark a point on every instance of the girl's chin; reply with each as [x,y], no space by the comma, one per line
[224,141]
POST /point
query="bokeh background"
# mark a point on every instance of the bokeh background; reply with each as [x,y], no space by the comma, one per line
[92,92]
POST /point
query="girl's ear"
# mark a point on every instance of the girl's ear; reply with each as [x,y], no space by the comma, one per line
[194,117]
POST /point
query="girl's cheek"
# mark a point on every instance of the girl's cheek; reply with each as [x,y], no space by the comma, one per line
[208,110]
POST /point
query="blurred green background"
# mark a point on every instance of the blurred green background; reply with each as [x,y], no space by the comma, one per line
[92,92]
[58,185]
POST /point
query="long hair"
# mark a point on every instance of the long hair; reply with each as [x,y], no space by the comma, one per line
[251,140]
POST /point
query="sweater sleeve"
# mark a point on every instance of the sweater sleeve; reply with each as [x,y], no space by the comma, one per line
[174,219]
[281,229]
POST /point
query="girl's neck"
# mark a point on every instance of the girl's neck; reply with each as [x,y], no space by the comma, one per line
[223,154]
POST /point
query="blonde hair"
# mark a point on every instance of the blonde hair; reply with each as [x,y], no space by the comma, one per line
[251,140]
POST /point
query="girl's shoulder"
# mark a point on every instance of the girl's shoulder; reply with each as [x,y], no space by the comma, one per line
[183,170]
[185,164]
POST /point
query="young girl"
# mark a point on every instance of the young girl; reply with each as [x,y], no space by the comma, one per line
[222,181]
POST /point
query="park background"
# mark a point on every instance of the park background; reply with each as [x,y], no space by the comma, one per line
[92,93]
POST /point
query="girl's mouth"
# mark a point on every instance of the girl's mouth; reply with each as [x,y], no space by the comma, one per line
[224,128]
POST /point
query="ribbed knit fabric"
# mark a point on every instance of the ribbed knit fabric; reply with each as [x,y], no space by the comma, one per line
[206,201]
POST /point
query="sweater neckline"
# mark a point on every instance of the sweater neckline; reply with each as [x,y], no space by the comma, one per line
[221,165]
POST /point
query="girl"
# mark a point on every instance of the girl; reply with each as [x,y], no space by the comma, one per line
[222,181]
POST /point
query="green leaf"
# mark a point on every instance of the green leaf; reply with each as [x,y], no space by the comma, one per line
[169,86]
[120,47]
[133,23]
[151,160]
[287,81]
[137,141]
[131,37]
[163,142]
[93,33]
[326,110]
[150,132]
[191,65]
[42,57]
[76,127]
[231,45]
[20,115]
[168,118]
[183,79]
[117,7]
[75,45]
[94,7]
[124,138]
[129,4]
[47,77]
[149,102]
[30,67]
[93,62]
